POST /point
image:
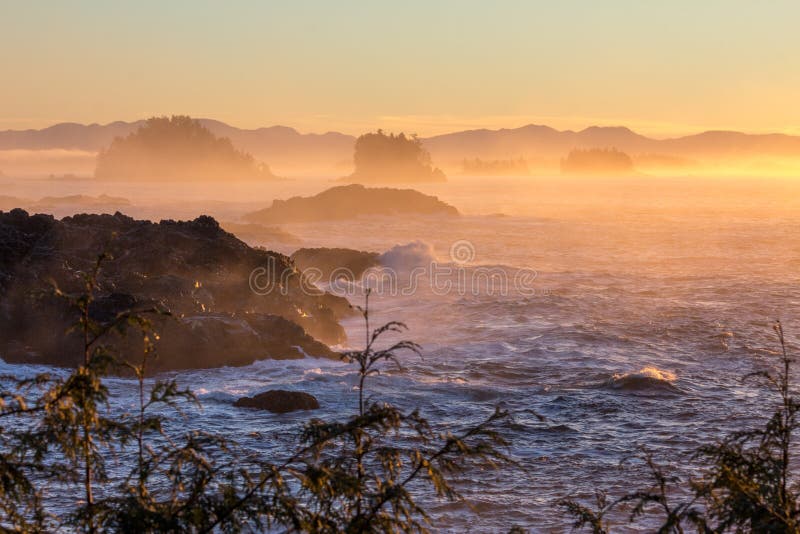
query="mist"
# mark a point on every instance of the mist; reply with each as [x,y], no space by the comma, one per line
[597,286]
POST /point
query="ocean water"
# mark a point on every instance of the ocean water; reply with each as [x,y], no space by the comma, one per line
[645,302]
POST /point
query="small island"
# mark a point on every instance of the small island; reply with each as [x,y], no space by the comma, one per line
[600,161]
[389,158]
[351,201]
[176,148]
[494,167]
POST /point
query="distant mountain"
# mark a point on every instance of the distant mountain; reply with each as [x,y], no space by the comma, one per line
[537,142]
[284,148]
[278,146]
[67,135]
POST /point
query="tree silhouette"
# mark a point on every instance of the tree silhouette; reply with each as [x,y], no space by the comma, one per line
[176,147]
[597,161]
[385,158]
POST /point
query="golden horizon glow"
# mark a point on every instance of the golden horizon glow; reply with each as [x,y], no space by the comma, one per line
[429,126]
[663,70]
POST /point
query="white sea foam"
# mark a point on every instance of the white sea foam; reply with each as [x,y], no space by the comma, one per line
[407,257]
[648,378]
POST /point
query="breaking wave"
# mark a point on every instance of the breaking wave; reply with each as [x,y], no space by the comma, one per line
[646,379]
[408,256]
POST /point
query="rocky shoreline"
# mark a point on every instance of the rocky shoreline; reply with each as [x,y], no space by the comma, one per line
[195,270]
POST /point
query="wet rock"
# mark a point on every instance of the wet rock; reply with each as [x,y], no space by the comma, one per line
[194,270]
[279,401]
[335,262]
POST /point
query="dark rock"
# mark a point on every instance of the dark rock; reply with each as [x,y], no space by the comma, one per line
[336,262]
[211,340]
[193,269]
[279,401]
[351,201]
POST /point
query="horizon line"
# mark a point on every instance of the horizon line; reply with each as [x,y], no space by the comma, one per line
[408,132]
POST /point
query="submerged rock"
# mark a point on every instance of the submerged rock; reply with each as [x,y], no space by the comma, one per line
[195,270]
[279,401]
[351,201]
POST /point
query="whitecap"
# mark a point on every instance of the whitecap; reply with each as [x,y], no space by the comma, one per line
[407,257]
[646,379]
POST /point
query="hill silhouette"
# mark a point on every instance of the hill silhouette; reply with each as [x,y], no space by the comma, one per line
[549,146]
[281,146]
[285,148]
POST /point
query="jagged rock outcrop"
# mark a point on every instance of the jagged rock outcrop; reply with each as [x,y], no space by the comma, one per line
[335,262]
[351,201]
[279,401]
[194,269]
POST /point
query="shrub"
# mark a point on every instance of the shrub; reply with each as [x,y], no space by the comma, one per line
[58,435]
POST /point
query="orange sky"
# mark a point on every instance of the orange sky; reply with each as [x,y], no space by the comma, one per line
[420,66]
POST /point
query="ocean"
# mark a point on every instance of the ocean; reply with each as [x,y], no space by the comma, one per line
[605,314]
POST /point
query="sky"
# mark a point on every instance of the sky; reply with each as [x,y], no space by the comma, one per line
[431,66]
